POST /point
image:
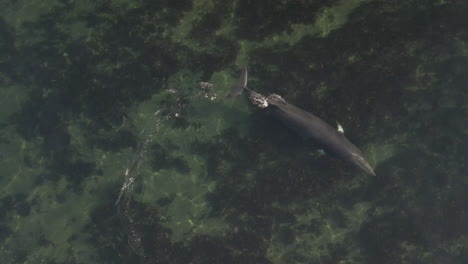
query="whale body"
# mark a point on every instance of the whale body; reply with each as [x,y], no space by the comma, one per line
[305,124]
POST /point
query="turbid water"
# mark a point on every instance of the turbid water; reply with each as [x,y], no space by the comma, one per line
[117,144]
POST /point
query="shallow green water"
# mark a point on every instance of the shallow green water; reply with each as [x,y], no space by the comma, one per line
[117,145]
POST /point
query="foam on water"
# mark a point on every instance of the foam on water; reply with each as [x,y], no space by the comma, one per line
[133,172]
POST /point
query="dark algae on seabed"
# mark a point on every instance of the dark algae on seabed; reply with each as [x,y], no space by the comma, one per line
[88,88]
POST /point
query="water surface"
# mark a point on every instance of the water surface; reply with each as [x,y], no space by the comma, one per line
[117,145]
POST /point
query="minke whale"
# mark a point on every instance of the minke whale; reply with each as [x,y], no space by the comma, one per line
[305,124]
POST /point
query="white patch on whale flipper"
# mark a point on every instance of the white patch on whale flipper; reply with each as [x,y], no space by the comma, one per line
[339,128]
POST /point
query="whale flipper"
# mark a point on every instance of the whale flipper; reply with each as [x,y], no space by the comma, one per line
[339,128]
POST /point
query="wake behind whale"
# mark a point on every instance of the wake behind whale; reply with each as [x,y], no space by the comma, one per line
[302,122]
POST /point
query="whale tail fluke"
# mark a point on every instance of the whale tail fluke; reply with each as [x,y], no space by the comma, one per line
[241,84]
